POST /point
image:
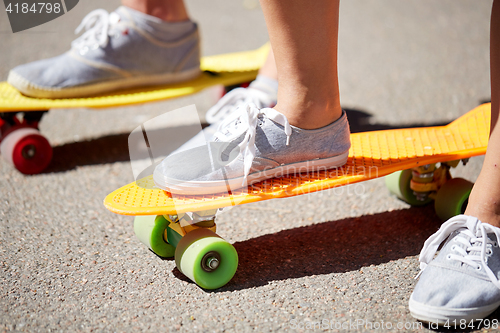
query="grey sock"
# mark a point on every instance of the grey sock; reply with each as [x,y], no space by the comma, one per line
[266,84]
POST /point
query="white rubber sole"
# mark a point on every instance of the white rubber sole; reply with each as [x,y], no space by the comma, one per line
[176,186]
[33,90]
[443,316]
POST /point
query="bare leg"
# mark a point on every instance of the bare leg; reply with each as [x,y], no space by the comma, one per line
[167,10]
[304,38]
[484,202]
[175,11]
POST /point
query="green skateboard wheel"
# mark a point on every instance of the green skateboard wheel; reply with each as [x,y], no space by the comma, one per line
[398,184]
[452,198]
[206,259]
[150,230]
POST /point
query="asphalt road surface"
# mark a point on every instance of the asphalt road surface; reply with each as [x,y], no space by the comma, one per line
[344,258]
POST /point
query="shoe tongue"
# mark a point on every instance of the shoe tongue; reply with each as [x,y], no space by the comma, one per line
[266,85]
[473,224]
[122,13]
[114,18]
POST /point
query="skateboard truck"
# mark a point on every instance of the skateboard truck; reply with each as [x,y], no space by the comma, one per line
[184,223]
[427,179]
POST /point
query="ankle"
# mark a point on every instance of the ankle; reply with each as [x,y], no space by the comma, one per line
[484,202]
[484,215]
[161,30]
[310,117]
[485,208]
[169,11]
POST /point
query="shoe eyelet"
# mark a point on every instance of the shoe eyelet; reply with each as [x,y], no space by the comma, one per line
[454,247]
[495,244]
[478,268]
[448,257]
[489,252]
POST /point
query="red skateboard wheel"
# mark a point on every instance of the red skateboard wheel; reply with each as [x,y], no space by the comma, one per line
[27,149]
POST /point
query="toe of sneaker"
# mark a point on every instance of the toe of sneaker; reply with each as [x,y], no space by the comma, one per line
[447,294]
[58,72]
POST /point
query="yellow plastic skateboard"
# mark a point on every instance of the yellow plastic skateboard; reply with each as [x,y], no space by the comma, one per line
[30,152]
[184,226]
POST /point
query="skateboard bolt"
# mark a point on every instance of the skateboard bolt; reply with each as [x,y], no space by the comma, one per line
[210,261]
[213,262]
[421,196]
[422,177]
[29,152]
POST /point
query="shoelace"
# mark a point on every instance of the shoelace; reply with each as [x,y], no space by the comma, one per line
[476,230]
[235,98]
[245,120]
[97,25]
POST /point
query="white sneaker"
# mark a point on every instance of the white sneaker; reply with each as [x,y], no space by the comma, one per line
[250,146]
[120,50]
[462,283]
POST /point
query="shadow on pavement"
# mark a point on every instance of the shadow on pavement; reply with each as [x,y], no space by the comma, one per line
[108,149]
[114,148]
[333,247]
